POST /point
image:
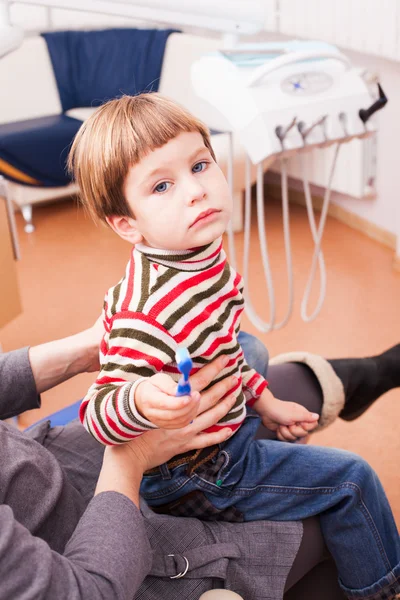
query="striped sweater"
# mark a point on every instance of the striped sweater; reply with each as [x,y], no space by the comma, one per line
[167,299]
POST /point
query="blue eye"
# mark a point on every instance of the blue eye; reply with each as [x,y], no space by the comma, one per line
[199,167]
[162,187]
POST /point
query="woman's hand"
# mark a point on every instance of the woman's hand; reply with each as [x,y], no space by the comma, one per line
[158,446]
[156,400]
[124,465]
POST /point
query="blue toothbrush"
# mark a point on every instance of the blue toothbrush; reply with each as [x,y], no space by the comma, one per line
[184,364]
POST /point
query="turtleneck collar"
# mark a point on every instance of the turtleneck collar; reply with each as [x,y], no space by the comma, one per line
[195,259]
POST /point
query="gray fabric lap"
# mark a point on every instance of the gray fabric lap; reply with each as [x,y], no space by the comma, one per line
[78,453]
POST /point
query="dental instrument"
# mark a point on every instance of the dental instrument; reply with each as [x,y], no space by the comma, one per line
[184,364]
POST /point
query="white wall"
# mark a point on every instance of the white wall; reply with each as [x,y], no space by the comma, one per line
[384,211]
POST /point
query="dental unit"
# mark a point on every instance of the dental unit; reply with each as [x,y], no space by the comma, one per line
[282,99]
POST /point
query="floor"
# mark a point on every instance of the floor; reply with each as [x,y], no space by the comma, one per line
[68,263]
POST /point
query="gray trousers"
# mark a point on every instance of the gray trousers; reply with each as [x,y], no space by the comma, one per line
[313,574]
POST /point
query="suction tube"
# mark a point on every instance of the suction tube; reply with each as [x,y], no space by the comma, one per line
[317,233]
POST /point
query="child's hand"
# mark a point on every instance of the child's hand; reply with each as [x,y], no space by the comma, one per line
[290,420]
[156,401]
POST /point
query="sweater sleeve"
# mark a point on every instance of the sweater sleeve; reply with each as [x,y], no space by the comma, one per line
[17,385]
[253,383]
[135,346]
[107,556]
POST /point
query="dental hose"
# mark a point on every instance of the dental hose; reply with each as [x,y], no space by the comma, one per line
[317,259]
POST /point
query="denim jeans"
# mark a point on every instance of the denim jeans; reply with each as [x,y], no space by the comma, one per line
[269,479]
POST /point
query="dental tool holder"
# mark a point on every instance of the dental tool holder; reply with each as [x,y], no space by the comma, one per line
[282,99]
[261,90]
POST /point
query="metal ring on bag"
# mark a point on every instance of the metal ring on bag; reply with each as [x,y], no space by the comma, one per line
[183,573]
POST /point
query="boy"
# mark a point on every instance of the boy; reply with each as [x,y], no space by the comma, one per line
[146,167]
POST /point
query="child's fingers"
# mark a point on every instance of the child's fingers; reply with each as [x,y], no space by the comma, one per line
[309,426]
[161,401]
[297,430]
[283,433]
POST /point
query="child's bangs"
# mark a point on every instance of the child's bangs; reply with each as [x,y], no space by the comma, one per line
[151,126]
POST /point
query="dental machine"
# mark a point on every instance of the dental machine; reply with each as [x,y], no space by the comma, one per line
[281,99]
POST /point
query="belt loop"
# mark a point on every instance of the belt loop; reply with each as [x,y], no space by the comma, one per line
[164,471]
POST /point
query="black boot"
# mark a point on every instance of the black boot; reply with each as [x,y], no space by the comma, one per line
[366,379]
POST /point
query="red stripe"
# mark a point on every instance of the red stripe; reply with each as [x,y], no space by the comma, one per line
[132,316]
[114,425]
[125,423]
[82,410]
[222,339]
[259,390]
[183,287]
[100,436]
[251,402]
[129,292]
[136,355]
[203,316]
[106,379]
[103,347]
[213,428]
[252,380]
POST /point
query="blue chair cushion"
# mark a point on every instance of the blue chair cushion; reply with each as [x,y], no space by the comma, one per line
[92,67]
[65,415]
[38,149]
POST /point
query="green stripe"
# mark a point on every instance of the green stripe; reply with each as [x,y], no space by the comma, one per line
[144,338]
[194,300]
[164,279]
[116,292]
[212,329]
[97,404]
[145,283]
[178,257]
[224,351]
[129,368]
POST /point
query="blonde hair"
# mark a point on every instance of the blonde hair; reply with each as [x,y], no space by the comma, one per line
[117,136]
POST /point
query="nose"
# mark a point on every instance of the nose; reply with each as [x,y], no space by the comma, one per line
[194,191]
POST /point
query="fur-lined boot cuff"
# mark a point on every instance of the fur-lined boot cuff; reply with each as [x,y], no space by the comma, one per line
[331,385]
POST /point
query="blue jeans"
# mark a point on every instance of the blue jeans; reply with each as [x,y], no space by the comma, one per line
[268,479]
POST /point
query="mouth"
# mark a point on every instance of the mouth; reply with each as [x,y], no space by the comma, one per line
[207,214]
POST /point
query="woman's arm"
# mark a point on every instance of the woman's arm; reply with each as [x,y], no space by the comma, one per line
[26,373]
[57,361]
[108,555]
[17,385]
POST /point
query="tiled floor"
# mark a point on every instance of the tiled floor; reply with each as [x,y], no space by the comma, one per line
[68,263]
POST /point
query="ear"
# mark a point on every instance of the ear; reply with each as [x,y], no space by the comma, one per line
[126,228]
